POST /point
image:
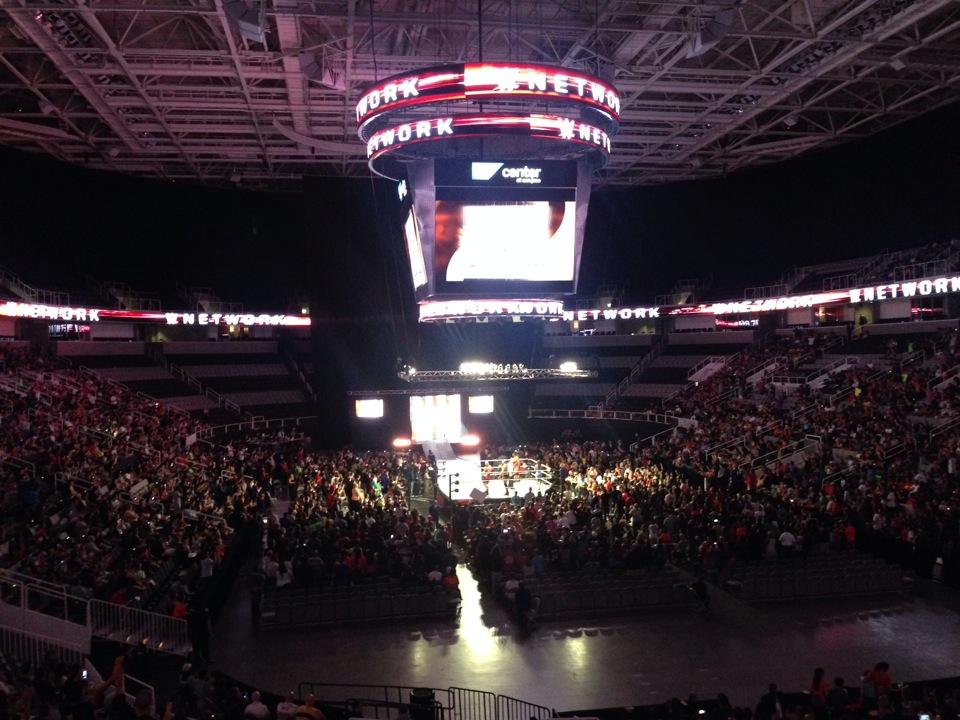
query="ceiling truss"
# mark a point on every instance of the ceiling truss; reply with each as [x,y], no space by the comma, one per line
[172,89]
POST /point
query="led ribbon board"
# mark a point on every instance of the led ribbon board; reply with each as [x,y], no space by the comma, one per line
[489,81]
[546,127]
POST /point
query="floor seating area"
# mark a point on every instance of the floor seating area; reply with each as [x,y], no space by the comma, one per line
[829,576]
[384,601]
[604,592]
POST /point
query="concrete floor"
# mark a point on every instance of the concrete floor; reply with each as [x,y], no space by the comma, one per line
[610,662]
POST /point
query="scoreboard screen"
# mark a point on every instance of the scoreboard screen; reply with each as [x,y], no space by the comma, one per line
[497,228]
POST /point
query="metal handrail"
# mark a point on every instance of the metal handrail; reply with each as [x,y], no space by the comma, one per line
[944,427]
[792,448]
[765,368]
[636,371]
[258,422]
[602,414]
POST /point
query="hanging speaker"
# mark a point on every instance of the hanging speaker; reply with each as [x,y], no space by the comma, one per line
[712,32]
[309,66]
[247,18]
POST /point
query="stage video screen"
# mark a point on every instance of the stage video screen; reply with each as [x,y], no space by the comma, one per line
[504,226]
[411,234]
[371,408]
[435,418]
[480,404]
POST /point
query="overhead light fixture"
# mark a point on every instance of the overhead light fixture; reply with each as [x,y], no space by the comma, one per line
[790,121]
[897,64]
[569,366]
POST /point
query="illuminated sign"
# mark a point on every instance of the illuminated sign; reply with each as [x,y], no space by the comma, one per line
[242,319]
[49,312]
[612,313]
[525,175]
[914,288]
[481,81]
[94,315]
[454,309]
[549,127]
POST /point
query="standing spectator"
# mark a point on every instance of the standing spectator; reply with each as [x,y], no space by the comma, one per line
[256,709]
[818,688]
[770,706]
[198,628]
[309,710]
[837,697]
[287,708]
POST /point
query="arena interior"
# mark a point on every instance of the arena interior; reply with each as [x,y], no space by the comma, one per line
[507,360]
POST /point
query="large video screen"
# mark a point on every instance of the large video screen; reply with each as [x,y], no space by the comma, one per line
[435,418]
[505,240]
[507,226]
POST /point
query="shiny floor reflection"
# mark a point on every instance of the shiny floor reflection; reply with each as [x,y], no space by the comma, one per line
[606,662]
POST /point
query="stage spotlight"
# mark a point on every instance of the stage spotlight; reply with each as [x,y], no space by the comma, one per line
[470,440]
[401,442]
[569,366]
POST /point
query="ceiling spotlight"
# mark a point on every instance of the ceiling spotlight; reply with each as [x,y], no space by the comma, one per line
[113,152]
[46,108]
[790,121]
[897,64]
[696,162]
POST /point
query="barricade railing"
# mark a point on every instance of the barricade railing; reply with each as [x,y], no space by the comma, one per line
[474,704]
[509,708]
[393,694]
[134,626]
[128,625]
[530,469]
[134,687]
[453,703]
[33,649]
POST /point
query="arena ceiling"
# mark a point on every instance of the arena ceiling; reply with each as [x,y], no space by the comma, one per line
[217,91]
